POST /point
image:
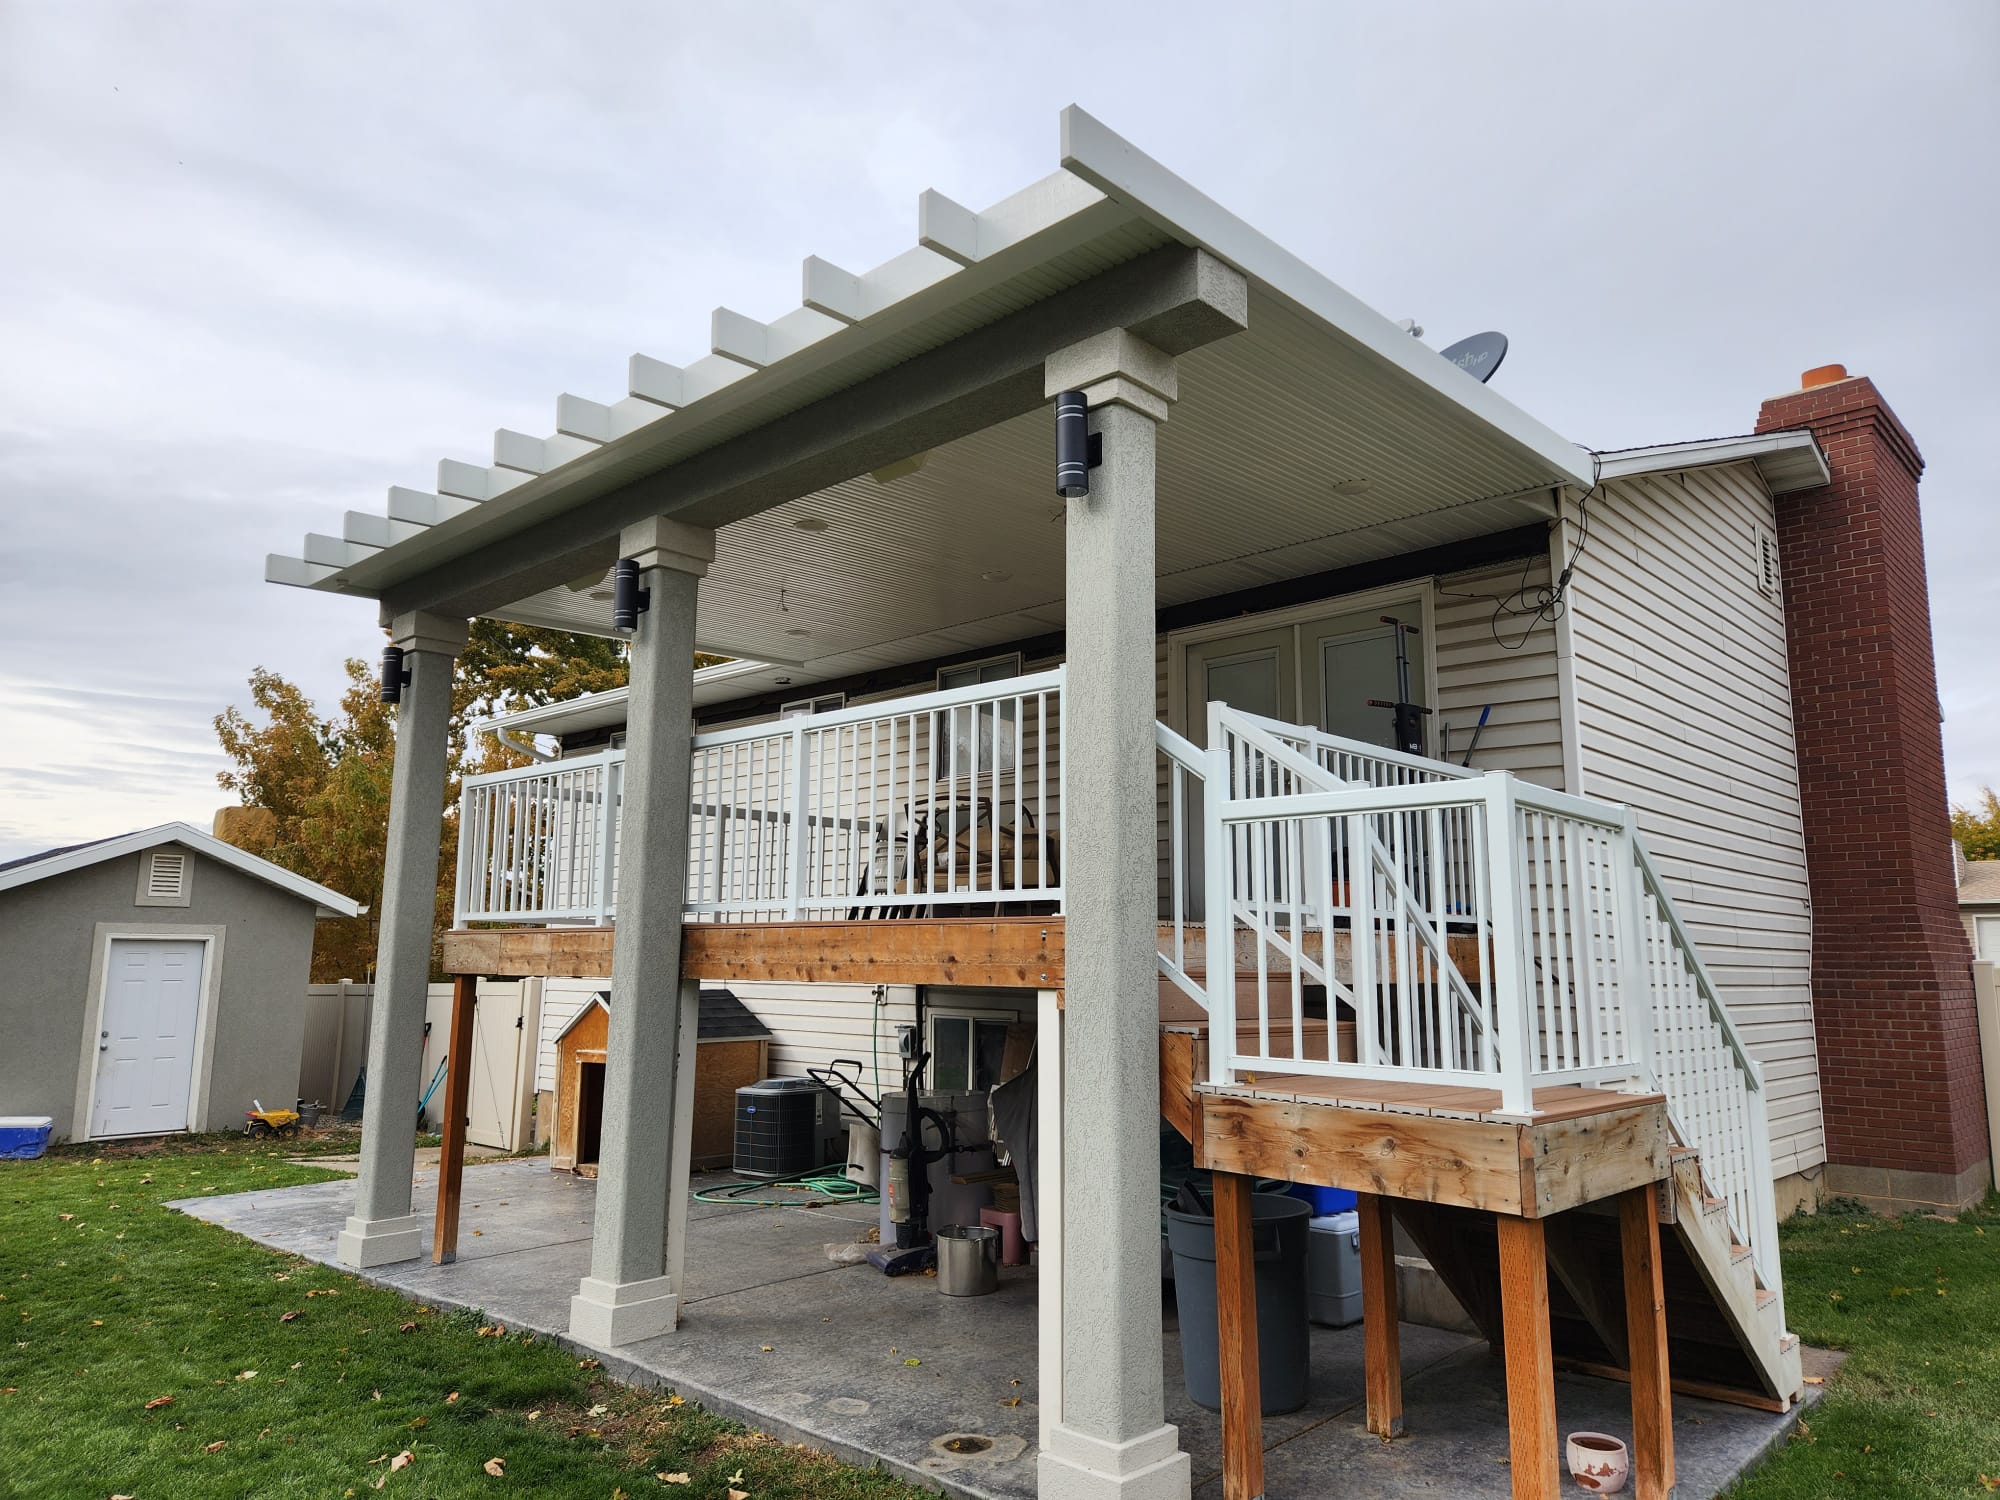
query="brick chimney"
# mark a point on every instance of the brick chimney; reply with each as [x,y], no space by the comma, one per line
[1892,979]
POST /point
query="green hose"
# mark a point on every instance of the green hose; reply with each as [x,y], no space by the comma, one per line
[830,1181]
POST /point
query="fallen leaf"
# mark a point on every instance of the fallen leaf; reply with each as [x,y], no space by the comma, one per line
[323,1291]
[767,1348]
[407,1328]
[374,1395]
[737,1477]
[1011,1401]
[97,1322]
[739,1495]
[217,1446]
[673,1479]
[677,1400]
[247,1375]
[1814,1379]
[65,1217]
[159,1401]
[598,1410]
[402,1460]
[533,1416]
[290,1317]
[492,1331]
[912,1361]
[452,1399]
[589,1364]
[418,1422]
[497,1467]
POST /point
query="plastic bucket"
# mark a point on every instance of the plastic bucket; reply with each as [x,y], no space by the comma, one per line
[1280,1228]
[968,1260]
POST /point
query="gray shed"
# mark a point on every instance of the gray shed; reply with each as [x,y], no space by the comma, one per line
[153,982]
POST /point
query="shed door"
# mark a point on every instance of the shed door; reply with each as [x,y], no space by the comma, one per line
[145,1047]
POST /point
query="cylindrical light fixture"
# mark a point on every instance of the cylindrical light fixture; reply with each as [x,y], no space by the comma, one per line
[394,674]
[1072,446]
[628,600]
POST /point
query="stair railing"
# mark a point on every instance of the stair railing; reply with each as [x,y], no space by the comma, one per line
[1481,931]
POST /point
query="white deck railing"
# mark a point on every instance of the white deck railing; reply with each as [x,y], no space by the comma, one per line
[1478,930]
[936,803]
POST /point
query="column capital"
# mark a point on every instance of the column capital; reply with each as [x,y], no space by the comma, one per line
[420,630]
[1115,366]
[662,542]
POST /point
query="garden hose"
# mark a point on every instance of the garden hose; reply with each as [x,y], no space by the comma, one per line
[829,1181]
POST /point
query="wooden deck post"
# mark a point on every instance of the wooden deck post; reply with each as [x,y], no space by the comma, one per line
[1646,1334]
[1381,1334]
[457,1085]
[1533,1459]
[1236,1319]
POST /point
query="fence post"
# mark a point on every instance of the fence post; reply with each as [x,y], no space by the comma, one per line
[1510,978]
[1219,940]
[801,834]
[1635,992]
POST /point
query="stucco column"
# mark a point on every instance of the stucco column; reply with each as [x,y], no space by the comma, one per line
[382,1228]
[1112,1438]
[631,1291]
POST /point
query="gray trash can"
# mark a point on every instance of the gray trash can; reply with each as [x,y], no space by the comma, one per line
[1279,1227]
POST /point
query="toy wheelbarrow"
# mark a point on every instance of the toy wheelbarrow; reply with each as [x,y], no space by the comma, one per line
[262,1121]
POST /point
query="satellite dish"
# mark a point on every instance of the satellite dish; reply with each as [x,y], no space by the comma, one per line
[1479,356]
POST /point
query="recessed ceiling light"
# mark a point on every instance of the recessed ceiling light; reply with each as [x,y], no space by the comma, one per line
[810,523]
[995,575]
[1351,487]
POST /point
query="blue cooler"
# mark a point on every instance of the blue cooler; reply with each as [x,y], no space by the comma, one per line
[24,1137]
[1325,1201]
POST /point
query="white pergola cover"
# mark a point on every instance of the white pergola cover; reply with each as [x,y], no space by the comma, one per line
[1322,436]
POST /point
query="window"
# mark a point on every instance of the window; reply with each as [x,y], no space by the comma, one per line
[976,738]
[967,1051]
[164,878]
[1989,939]
[803,708]
[1764,558]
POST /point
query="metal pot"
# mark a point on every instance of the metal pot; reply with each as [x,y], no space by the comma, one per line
[968,1260]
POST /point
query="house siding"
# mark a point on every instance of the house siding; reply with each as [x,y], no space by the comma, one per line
[1683,711]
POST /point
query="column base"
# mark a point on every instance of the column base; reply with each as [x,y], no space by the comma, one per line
[605,1314]
[365,1243]
[1076,1466]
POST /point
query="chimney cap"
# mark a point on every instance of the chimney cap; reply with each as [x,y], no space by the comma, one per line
[1822,375]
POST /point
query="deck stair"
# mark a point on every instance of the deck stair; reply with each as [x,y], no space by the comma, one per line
[1423,959]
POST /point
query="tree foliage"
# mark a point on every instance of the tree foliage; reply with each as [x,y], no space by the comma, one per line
[322,781]
[1977,829]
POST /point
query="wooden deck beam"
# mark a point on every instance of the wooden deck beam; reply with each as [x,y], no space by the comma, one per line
[990,952]
[1381,1330]
[1527,1170]
[1236,1327]
[457,1086]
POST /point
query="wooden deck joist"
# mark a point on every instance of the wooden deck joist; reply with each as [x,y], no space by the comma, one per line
[995,952]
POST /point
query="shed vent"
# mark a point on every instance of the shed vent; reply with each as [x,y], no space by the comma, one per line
[166,876]
[1766,560]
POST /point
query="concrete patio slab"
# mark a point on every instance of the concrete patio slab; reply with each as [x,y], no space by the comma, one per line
[878,1371]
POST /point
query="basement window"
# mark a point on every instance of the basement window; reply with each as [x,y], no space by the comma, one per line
[1764,559]
[966,1051]
[164,878]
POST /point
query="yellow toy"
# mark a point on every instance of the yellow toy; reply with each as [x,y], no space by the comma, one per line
[262,1121]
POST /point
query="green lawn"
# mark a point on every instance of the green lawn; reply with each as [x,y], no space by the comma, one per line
[1916,1409]
[151,1355]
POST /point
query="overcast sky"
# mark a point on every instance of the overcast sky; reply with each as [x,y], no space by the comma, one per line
[262,261]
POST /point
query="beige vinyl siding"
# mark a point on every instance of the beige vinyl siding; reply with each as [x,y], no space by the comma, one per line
[1510,663]
[1683,707]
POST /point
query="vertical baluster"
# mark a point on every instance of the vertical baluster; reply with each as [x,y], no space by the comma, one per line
[1562,836]
[1361,940]
[1295,854]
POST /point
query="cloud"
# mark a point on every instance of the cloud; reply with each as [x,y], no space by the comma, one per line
[264,261]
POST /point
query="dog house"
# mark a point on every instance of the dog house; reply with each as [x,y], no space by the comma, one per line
[732,1049]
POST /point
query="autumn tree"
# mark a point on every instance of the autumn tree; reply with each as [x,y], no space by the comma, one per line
[323,781]
[1977,829]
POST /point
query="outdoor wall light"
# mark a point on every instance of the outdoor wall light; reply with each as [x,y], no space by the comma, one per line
[395,676]
[1072,446]
[628,600]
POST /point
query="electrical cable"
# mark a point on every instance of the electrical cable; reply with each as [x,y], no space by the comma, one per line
[1549,603]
